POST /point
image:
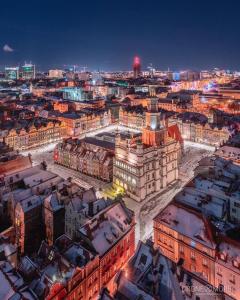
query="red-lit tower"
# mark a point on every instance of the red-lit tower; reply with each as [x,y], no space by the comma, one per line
[136,67]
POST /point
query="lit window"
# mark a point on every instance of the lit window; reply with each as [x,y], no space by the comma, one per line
[51,255]
[193,257]
[205,262]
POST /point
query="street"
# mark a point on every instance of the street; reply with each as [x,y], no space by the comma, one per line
[149,208]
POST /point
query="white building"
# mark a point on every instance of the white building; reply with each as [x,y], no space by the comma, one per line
[145,166]
[55,74]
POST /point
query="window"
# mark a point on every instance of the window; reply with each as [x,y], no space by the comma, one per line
[51,255]
[205,275]
[205,262]
[219,271]
[180,237]
[181,249]
[205,250]
[193,268]
[193,257]
[232,278]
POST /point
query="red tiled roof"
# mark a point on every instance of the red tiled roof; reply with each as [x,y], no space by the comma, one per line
[174,132]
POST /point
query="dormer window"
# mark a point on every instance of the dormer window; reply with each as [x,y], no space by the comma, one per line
[235,263]
[51,255]
[223,256]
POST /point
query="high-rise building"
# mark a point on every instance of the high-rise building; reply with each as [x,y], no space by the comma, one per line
[136,67]
[28,71]
[12,73]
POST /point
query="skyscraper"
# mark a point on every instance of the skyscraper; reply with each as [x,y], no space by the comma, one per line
[28,71]
[12,73]
[136,67]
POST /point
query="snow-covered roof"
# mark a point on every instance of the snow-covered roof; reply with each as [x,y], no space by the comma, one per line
[77,255]
[30,203]
[130,290]
[38,178]
[186,222]
[203,200]
[229,254]
[107,227]
[52,202]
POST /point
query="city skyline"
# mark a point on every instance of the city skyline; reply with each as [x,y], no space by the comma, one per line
[119,150]
[108,35]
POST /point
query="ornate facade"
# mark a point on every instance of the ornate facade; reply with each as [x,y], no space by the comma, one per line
[34,136]
[79,123]
[145,166]
[88,156]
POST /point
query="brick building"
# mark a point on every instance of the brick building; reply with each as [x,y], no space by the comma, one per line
[84,121]
[33,135]
[199,229]
[90,156]
[110,234]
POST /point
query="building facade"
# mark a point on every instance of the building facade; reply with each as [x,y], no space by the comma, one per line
[80,123]
[34,136]
[111,234]
[145,166]
[203,133]
[89,156]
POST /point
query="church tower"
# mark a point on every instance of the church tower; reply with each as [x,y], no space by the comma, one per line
[155,132]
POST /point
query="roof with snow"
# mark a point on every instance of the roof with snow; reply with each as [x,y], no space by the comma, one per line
[107,227]
[187,222]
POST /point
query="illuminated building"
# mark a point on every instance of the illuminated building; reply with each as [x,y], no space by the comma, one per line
[136,67]
[26,137]
[88,120]
[12,73]
[193,244]
[199,228]
[61,106]
[145,166]
[229,153]
[55,73]
[76,94]
[132,116]
[111,234]
[203,133]
[89,156]
[66,270]
[24,192]
[28,72]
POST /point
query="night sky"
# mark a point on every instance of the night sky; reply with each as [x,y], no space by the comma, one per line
[105,35]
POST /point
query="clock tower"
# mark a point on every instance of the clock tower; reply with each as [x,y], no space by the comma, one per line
[155,132]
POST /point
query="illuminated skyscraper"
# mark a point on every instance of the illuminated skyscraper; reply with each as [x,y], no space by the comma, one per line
[12,73]
[28,71]
[136,67]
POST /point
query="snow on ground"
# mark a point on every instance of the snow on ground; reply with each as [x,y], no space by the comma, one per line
[146,210]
